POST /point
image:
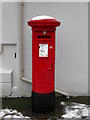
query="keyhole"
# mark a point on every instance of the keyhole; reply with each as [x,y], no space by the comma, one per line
[52,65]
[38,46]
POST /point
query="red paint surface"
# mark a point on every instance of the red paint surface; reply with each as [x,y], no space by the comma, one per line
[43,68]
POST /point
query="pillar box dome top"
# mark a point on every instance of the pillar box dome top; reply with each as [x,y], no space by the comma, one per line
[43,21]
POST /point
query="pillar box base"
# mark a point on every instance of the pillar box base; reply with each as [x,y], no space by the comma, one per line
[43,103]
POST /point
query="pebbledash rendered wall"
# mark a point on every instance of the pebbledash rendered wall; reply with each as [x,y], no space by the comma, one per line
[71,46]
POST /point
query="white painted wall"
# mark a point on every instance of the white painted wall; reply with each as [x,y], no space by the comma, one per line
[71,45]
[88,48]
[0,49]
[10,41]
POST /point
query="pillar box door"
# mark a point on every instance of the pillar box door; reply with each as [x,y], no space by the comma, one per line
[43,63]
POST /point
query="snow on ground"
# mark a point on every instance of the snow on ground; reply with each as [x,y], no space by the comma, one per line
[76,110]
[9,113]
[71,110]
[42,17]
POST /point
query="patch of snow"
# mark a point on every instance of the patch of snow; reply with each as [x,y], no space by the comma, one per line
[2,114]
[42,17]
[76,110]
[8,116]
[71,114]
[85,112]
[62,103]
[9,113]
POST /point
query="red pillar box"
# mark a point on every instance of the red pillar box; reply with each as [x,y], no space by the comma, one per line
[43,63]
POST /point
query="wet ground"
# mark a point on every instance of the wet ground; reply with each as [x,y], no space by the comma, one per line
[23,105]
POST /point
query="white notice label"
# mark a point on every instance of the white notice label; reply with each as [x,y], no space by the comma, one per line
[43,50]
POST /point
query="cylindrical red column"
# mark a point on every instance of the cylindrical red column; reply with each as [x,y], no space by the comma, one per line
[43,63]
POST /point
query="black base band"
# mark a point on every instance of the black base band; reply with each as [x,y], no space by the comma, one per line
[43,103]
